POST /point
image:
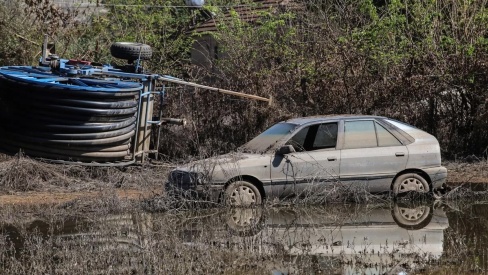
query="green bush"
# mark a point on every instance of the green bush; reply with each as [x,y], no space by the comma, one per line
[420,62]
[417,61]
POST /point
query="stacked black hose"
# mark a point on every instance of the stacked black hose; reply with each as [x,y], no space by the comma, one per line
[72,119]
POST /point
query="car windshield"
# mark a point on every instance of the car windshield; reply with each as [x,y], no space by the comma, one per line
[267,139]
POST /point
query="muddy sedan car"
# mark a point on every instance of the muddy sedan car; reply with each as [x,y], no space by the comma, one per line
[312,154]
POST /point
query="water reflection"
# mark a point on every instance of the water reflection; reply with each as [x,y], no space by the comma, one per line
[371,239]
[344,239]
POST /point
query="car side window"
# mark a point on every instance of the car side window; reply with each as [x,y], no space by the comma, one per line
[359,134]
[315,137]
[326,136]
[385,138]
[298,140]
[367,134]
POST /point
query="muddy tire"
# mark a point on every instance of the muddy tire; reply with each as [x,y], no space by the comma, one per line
[242,193]
[130,51]
[410,182]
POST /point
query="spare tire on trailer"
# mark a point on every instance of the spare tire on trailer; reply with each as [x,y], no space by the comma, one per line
[131,51]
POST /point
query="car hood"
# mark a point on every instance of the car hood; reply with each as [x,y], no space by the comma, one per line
[221,161]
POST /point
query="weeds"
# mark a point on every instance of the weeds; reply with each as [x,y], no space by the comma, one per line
[24,174]
[21,173]
[338,192]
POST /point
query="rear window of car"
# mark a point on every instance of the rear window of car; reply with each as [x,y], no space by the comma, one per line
[367,134]
[360,134]
[385,138]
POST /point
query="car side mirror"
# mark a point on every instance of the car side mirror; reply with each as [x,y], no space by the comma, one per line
[285,149]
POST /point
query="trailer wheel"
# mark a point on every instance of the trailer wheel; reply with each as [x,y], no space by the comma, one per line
[130,51]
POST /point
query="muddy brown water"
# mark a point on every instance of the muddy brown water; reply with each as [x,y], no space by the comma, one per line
[430,237]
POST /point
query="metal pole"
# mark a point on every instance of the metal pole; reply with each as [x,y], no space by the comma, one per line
[161,101]
[178,81]
[138,123]
[44,50]
[145,111]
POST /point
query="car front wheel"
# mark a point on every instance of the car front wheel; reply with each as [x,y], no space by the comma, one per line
[242,193]
[410,182]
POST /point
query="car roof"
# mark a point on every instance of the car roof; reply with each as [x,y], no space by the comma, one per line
[311,119]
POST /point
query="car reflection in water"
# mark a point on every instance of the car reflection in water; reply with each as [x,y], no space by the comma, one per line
[354,239]
[348,239]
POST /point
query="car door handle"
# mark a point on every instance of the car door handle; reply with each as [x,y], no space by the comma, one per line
[400,154]
[331,158]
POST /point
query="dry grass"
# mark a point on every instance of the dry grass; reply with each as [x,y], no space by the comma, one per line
[21,174]
[467,170]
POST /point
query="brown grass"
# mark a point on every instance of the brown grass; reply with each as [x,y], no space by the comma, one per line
[27,181]
[463,172]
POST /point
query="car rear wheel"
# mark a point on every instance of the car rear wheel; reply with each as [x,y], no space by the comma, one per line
[242,193]
[410,182]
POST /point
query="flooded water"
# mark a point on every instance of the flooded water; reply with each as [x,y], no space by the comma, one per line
[382,238]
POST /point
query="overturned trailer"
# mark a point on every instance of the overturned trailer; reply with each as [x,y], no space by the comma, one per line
[73,111]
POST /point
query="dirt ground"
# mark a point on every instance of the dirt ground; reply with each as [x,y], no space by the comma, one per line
[463,172]
[53,197]
[28,182]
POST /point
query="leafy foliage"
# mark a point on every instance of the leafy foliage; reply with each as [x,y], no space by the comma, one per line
[423,62]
